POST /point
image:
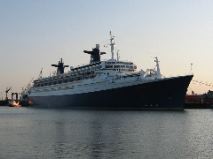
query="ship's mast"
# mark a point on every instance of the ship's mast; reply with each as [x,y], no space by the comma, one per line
[158,67]
[112,44]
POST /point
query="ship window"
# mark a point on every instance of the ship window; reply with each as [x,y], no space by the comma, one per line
[109,66]
[116,66]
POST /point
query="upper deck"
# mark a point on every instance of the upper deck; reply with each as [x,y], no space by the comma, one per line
[86,72]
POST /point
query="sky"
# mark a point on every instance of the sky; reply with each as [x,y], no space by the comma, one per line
[36,33]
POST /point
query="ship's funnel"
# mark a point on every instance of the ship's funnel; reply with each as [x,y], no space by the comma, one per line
[95,54]
[60,66]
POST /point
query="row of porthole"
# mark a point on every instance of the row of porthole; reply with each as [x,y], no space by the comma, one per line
[54,89]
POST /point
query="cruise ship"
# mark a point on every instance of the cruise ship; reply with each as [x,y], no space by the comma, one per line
[109,84]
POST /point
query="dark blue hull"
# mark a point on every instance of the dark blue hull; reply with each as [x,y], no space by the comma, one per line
[163,94]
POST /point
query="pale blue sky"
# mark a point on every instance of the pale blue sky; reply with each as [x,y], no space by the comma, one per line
[36,33]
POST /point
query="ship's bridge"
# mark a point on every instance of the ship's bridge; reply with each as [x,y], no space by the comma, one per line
[120,66]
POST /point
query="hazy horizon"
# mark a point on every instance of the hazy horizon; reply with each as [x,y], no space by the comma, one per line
[35,34]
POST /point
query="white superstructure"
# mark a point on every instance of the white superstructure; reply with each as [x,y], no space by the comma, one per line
[96,76]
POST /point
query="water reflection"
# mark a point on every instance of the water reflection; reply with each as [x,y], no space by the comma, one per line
[60,139]
[29,133]
[97,143]
[104,135]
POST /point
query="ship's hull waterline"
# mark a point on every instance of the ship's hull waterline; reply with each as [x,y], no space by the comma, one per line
[157,95]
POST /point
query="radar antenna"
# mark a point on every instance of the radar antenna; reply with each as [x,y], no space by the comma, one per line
[118,56]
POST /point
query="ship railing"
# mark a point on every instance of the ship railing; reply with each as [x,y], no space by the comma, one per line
[107,60]
[66,80]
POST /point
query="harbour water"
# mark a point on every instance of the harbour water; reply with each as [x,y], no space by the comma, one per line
[61,134]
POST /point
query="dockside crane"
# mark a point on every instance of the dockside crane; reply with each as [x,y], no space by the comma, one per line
[6,92]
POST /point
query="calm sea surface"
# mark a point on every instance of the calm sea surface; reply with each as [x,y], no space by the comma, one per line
[27,133]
